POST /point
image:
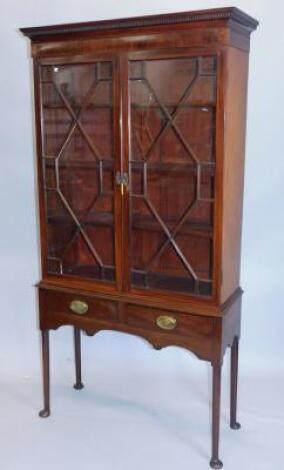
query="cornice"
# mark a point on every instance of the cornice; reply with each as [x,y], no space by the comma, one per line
[224,14]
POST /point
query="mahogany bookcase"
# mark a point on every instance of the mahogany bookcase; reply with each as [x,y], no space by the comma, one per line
[140,127]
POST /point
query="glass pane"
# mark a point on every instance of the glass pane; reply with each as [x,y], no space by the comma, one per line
[172,165]
[78,164]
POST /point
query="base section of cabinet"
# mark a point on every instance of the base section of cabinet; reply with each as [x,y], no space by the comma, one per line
[206,336]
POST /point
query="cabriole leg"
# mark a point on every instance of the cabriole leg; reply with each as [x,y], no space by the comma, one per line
[216,398]
[234,383]
[77,346]
[45,412]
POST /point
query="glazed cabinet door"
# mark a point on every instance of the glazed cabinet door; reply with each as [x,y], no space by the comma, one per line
[78,158]
[172,104]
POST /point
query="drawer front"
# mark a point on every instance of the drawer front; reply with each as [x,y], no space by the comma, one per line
[76,308]
[167,322]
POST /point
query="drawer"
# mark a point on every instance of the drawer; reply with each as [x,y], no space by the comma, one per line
[167,322]
[76,307]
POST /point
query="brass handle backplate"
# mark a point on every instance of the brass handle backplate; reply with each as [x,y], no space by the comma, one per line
[166,322]
[79,307]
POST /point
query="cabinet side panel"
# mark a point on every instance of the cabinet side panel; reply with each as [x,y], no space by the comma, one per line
[233,171]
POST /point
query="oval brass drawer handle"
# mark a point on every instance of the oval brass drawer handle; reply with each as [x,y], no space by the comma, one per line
[79,307]
[166,322]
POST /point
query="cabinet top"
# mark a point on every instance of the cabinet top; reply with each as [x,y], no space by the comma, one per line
[187,17]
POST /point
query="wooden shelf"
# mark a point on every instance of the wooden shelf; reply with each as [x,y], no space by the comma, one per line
[91,271]
[139,222]
[177,167]
[194,104]
[75,107]
[147,223]
[107,164]
[208,168]
[173,282]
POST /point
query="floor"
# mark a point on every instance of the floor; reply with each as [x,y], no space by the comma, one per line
[140,408]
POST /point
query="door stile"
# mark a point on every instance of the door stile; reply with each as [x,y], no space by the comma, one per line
[124,188]
[219,151]
[39,174]
[117,134]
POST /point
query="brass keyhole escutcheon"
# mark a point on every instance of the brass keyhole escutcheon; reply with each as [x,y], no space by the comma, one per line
[79,307]
[122,180]
[166,322]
